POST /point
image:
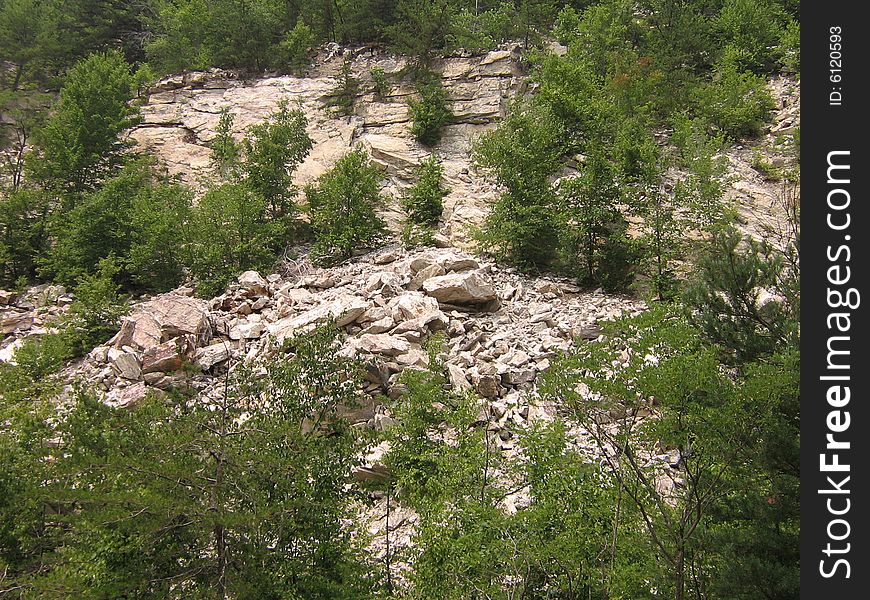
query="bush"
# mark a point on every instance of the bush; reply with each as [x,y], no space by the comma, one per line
[295,47]
[737,103]
[230,233]
[80,143]
[23,234]
[430,113]
[95,314]
[274,149]
[226,152]
[343,97]
[135,217]
[791,48]
[342,204]
[423,202]
[520,156]
[381,83]
[752,30]
[485,30]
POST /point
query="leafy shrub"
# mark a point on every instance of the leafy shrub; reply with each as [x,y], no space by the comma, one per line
[520,156]
[95,314]
[343,97]
[135,217]
[296,46]
[791,48]
[485,30]
[423,201]
[80,143]
[226,152]
[342,204]
[735,102]
[431,112]
[274,149]
[23,233]
[594,243]
[752,30]
[230,233]
[381,83]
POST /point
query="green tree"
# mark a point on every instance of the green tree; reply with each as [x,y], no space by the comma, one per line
[95,314]
[23,234]
[230,232]
[752,32]
[273,150]
[423,202]
[422,26]
[594,242]
[240,494]
[520,156]
[80,144]
[431,112]
[27,36]
[737,103]
[296,46]
[342,98]
[342,204]
[225,150]
[657,364]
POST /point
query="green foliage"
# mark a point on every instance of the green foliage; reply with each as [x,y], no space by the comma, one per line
[422,26]
[180,40]
[423,201]
[520,156]
[225,150]
[428,471]
[735,102]
[751,31]
[80,143]
[230,233]
[381,83]
[430,112]
[159,223]
[791,48]
[725,296]
[657,363]
[274,149]
[241,494]
[28,36]
[23,233]
[594,240]
[137,218]
[95,314]
[343,97]
[296,47]
[242,33]
[484,30]
[342,204]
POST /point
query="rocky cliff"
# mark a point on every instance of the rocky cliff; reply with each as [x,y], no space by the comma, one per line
[182,112]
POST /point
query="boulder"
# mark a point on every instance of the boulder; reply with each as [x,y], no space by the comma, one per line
[345,310]
[127,366]
[166,357]
[164,318]
[12,320]
[211,355]
[423,274]
[412,305]
[127,397]
[380,343]
[460,288]
[7,297]
[253,282]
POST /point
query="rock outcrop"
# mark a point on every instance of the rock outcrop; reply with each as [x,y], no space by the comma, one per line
[182,113]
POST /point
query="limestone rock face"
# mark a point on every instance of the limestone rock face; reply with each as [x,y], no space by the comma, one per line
[181,115]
